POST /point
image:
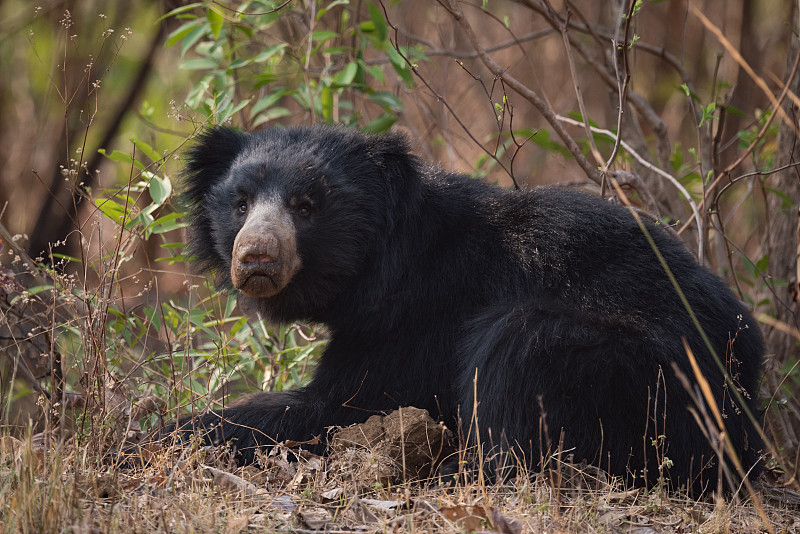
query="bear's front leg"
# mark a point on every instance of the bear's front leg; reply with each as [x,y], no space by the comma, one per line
[260,420]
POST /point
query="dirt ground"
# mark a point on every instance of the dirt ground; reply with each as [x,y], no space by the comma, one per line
[380,476]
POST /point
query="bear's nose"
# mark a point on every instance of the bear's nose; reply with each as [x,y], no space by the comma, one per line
[257,258]
[254,250]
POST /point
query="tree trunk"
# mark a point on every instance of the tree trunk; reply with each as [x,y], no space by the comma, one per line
[783,247]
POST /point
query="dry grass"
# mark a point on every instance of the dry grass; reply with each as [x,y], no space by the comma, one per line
[63,489]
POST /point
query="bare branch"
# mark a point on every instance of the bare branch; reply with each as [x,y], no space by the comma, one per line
[434,50]
[524,91]
[441,98]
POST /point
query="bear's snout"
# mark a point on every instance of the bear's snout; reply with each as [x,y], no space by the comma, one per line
[264,258]
[256,266]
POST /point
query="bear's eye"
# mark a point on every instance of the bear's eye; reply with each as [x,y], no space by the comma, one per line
[301,205]
[242,208]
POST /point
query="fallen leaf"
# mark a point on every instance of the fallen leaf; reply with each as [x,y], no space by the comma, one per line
[470,518]
[315,518]
[476,518]
[231,482]
[332,495]
[384,505]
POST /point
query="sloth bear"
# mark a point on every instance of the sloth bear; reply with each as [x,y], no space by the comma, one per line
[537,318]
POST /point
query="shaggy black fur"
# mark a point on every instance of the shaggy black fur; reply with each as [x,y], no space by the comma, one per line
[427,279]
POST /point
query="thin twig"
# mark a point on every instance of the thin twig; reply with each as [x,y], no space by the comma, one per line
[444,102]
[525,92]
[253,14]
[623,77]
[576,84]
[433,50]
[746,66]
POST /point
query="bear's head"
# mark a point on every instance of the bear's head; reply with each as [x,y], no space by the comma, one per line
[290,216]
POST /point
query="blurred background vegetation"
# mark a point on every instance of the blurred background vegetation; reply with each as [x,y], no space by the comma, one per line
[104,329]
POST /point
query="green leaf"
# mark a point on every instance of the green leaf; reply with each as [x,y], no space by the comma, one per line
[326,100]
[295,376]
[116,155]
[265,78]
[576,115]
[386,100]
[239,63]
[269,52]
[238,325]
[215,19]
[323,35]
[143,219]
[345,76]
[690,180]
[199,63]
[763,263]
[786,201]
[35,290]
[194,36]
[66,257]
[229,109]
[230,305]
[707,113]
[400,66]
[376,16]
[380,124]
[178,258]
[267,102]
[749,267]
[147,150]
[198,92]
[327,8]
[160,188]
[270,115]
[181,32]
[153,317]
[542,138]
[112,209]
[676,158]
[376,71]
[179,10]
[168,223]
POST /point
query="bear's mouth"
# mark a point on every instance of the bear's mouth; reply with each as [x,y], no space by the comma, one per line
[259,284]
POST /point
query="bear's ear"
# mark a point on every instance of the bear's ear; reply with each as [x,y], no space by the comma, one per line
[209,160]
[401,168]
